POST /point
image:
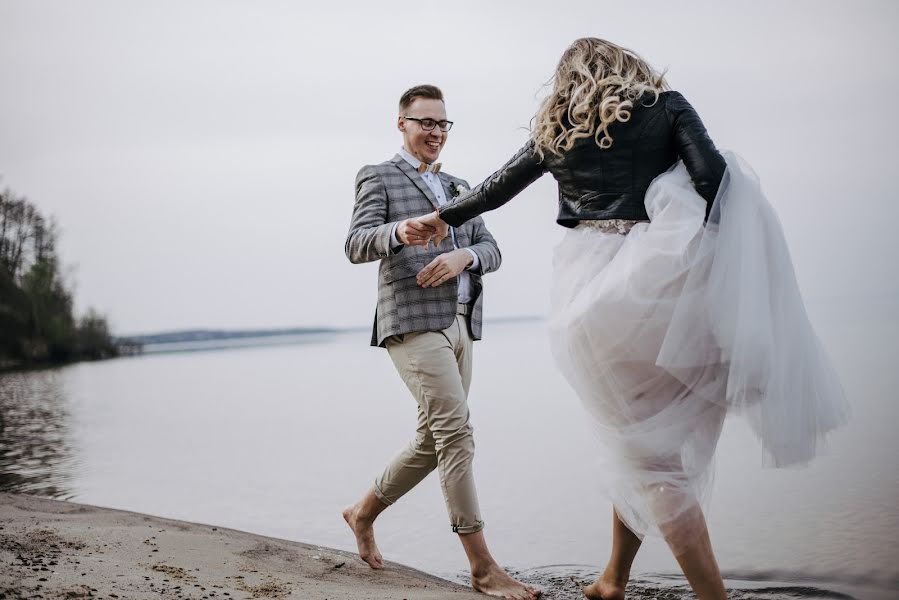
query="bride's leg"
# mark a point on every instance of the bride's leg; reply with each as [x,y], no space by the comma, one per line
[611,584]
[697,559]
[687,534]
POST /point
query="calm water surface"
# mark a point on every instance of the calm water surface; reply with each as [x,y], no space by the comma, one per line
[276,440]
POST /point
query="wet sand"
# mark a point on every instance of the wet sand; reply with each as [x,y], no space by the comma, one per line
[54,549]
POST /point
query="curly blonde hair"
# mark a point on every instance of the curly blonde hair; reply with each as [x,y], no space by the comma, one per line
[595,85]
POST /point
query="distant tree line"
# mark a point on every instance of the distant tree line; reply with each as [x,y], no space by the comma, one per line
[37,324]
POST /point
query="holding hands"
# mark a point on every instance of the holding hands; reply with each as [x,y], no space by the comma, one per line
[412,232]
[421,231]
[437,225]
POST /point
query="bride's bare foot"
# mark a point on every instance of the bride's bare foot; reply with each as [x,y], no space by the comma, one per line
[365,537]
[605,589]
[493,581]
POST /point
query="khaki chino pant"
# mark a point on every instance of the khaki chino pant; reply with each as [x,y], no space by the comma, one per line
[436,367]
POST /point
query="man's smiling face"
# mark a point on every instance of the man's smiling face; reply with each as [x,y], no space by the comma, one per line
[423,145]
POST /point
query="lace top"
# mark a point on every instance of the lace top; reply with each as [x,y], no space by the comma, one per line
[620,226]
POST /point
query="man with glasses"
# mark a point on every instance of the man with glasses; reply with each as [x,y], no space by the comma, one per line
[428,314]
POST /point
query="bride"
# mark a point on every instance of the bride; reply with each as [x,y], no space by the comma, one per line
[674,300]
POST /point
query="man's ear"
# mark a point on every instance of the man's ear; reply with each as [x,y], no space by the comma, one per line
[401,123]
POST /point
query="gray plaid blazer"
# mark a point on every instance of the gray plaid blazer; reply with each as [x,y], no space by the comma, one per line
[393,191]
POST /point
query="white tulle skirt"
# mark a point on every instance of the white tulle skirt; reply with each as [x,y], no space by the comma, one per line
[663,327]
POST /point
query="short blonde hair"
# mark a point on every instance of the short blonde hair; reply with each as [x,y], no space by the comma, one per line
[595,85]
[431,92]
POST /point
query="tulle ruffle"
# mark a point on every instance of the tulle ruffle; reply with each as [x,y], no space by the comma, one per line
[664,330]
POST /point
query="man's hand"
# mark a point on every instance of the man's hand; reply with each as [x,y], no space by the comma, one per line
[444,267]
[439,228]
[413,233]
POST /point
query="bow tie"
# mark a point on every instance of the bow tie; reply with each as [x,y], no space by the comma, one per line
[429,168]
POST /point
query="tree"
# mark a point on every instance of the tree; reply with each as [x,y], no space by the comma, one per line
[36,317]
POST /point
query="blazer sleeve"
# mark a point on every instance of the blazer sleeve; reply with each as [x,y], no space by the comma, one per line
[483,244]
[369,236]
[694,146]
[519,172]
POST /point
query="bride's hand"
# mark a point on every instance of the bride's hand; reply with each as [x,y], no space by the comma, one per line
[441,229]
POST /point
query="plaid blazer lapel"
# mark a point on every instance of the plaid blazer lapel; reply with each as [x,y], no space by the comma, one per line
[415,177]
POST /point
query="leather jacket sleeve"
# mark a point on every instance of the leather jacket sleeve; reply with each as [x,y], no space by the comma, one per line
[694,146]
[522,170]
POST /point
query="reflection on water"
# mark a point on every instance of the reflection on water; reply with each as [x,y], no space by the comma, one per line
[36,454]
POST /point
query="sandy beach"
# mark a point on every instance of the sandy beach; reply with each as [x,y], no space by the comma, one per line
[53,549]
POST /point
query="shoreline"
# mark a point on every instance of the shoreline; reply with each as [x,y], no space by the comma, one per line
[58,549]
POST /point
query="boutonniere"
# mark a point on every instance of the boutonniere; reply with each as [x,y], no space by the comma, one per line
[457,189]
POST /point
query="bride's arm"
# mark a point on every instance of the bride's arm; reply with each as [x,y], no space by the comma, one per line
[522,170]
[694,146]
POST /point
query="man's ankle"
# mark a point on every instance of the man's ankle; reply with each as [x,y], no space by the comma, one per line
[363,517]
[484,568]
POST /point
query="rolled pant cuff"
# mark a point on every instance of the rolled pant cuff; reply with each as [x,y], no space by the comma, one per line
[381,495]
[463,529]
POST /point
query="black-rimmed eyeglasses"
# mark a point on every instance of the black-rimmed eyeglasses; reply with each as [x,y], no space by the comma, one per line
[429,124]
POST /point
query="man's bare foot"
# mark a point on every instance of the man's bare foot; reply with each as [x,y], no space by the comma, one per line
[605,589]
[496,582]
[365,537]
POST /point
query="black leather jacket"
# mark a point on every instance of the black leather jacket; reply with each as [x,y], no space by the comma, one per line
[608,184]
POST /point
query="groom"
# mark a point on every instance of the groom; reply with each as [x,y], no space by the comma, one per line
[427,316]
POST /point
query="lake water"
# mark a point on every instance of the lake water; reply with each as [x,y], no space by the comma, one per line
[278,439]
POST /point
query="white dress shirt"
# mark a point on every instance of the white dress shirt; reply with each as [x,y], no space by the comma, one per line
[433,182]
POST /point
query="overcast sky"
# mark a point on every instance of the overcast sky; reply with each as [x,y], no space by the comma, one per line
[200,156]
